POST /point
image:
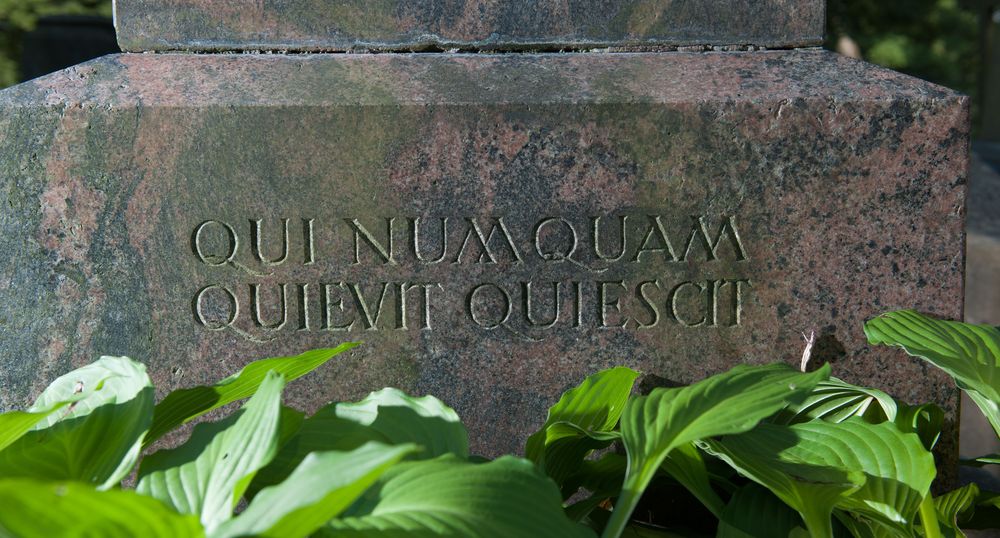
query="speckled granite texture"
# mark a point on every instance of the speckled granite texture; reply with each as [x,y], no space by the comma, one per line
[338,25]
[763,195]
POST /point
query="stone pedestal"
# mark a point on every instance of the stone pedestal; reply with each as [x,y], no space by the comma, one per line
[494,227]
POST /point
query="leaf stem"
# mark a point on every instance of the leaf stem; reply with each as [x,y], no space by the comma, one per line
[819,522]
[928,516]
[623,510]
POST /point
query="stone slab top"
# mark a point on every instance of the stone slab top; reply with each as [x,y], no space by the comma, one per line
[192,80]
[495,25]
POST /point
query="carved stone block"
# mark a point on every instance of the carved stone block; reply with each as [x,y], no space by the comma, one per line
[495,228]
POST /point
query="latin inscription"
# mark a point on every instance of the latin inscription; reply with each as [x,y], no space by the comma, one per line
[622,272]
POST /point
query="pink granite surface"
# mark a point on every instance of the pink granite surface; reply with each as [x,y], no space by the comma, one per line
[795,191]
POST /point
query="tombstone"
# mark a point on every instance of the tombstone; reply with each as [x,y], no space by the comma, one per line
[666,194]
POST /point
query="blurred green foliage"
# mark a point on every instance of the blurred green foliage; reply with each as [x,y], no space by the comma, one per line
[936,40]
[20,16]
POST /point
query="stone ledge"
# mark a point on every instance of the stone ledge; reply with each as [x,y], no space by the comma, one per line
[196,80]
[496,25]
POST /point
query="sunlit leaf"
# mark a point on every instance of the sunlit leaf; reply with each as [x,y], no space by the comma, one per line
[208,474]
[94,439]
[834,400]
[968,353]
[181,406]
[321,487]
[812,466]
[449,497]
[35,509]
[583,420]
[388,416]
[733,402]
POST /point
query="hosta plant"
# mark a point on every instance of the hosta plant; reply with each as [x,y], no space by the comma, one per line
[758,451]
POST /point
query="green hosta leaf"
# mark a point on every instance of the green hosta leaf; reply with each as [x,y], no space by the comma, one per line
[734,402]
[208,474]
[321,487]
[987,512]
[955,508]
[582,421]
[96,438]
[968,353]
[813,489]
[862,527]
[400,418]
[450,497]
[924,420]
[602,477]
[15,424]
[34,509]
[687,466]
[836,401]
[181,406]
[753,512]
[388,416]
[820,460]
[992,459]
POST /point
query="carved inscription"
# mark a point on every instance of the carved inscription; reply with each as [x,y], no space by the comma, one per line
[638,272]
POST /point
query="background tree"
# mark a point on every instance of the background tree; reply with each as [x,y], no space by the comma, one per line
[20,16]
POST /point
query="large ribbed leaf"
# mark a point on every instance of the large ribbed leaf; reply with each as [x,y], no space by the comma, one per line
[813,488]
[968,353]
[734,402]
[836,401]
[809,464]
[954,508]
[754,512]
[583,420]
[388,416]
[687,466]
[208,474]
[321,487]
[96,438]
[181,406]
[14,424]
[34,509]
[449,497]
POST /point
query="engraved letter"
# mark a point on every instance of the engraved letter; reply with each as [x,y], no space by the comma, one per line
[384,252]
[258,252]
[623,239]
[699,229]
[674,310]
[415,240]
[603,303]
[528,308]
[738,301]
[369,320]
[255,310]
[308,242]
[304,307]
[329,305]
[233,311]
[555,254]
[658,235]
[405,288]
[480,320]
[484,241]
[648,303]
[197,244]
